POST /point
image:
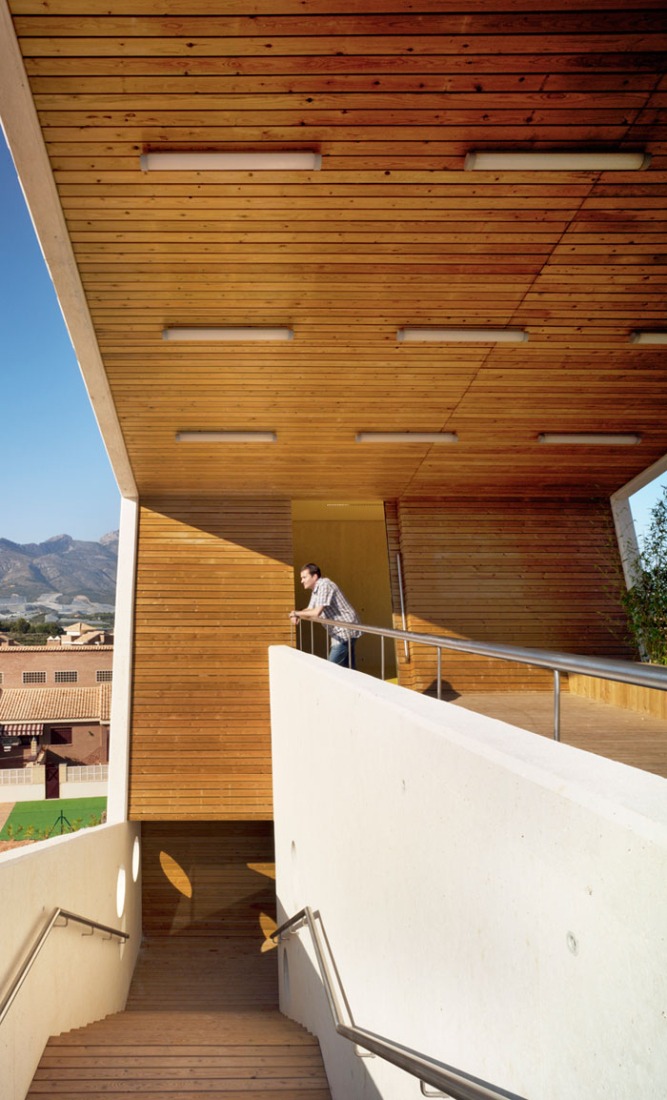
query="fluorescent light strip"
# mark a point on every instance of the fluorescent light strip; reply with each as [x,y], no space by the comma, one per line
[489,161]
[648,338]
[216,335]
[406,437]
[607,439]
[267,161]
[462,335]
[226,437]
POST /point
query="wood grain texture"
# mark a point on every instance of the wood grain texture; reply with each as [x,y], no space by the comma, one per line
[633,698]
[214,587]
[202,1016]
[518,572]
[391,232]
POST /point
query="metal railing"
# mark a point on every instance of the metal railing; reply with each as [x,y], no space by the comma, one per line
[33,952]
[624,672]
[448,1080]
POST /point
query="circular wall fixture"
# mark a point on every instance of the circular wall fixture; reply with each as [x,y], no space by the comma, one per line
[136,859]
[121,883]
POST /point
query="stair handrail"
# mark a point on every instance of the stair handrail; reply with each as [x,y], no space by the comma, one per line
[606,668]
[31,955]
[450,1082]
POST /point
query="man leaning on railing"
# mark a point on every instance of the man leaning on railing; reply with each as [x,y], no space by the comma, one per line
[328,602]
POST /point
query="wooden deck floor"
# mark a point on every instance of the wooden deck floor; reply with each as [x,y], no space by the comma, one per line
[615,732]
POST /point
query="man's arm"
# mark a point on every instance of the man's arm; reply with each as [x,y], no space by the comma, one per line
[307,613]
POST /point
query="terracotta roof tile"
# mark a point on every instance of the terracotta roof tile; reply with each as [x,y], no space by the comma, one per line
[55,704]
[60,650]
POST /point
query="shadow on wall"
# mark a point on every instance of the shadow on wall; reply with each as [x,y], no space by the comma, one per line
[301,984]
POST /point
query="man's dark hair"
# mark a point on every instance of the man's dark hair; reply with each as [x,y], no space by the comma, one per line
[313,569]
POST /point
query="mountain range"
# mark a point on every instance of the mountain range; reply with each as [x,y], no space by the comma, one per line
[59,571]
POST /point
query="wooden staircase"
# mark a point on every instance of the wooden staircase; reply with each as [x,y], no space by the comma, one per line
[202,1018]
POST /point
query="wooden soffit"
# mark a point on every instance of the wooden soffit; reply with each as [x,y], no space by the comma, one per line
[392,231]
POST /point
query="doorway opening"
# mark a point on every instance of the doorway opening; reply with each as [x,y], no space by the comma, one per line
[349,543]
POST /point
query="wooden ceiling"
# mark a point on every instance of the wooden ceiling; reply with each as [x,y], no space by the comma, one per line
[391,232]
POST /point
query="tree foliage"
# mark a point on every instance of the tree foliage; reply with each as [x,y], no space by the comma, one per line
[645,602]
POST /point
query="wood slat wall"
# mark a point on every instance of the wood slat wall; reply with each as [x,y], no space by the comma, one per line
[519,572]
[214,586]
[208,878]
[641,700]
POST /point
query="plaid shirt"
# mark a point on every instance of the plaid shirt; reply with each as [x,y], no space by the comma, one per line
[329,597]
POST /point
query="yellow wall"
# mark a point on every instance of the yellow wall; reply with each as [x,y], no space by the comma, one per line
[349,543]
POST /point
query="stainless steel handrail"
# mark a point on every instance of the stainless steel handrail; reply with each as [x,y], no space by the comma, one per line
[624,672]
[26,966]
[448,1080]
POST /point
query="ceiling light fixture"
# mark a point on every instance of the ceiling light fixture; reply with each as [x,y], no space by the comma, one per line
[462,335]
[240,335]
[163,160]
[648,337]
[489,161]
[608,439]
[226,437]
[406,437]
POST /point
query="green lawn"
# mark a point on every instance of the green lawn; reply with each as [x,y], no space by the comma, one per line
[44,815]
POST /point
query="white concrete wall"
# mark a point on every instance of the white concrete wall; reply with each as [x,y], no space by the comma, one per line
[25,792]
[87,788]
[121,697]
[76,978]
[493,898]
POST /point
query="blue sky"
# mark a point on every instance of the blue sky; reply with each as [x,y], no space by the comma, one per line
[56,478]
[56,475]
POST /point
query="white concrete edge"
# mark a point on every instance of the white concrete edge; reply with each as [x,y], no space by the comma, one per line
[626,532]
[121,695]
[615,791]
[642,479]
[24,137]
[626,536]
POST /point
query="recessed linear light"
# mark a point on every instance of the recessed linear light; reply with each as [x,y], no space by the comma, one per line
[240,335]
[462,335]
[488,161]
[226,437]
[268,161]
[648,338]
[406,437]
[607,439]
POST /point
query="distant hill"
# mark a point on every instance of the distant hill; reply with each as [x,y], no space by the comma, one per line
[60,569]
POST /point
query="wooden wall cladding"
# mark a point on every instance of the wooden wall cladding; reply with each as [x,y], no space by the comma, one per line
[214,585]
[526,573]
[642,700]
[208,878]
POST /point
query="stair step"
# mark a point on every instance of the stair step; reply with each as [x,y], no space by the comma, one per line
[202,1018]
[201,1022]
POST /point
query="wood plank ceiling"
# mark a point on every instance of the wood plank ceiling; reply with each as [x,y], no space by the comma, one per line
[391,232]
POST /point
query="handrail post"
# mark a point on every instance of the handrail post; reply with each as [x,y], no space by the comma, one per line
[556,704]
[382,656]
[399,572]
[439,652]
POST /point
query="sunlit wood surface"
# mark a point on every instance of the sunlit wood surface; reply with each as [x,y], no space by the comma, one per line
[639,740]
[391,232]
[202,1017]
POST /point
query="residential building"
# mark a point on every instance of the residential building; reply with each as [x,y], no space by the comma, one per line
[444,372]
